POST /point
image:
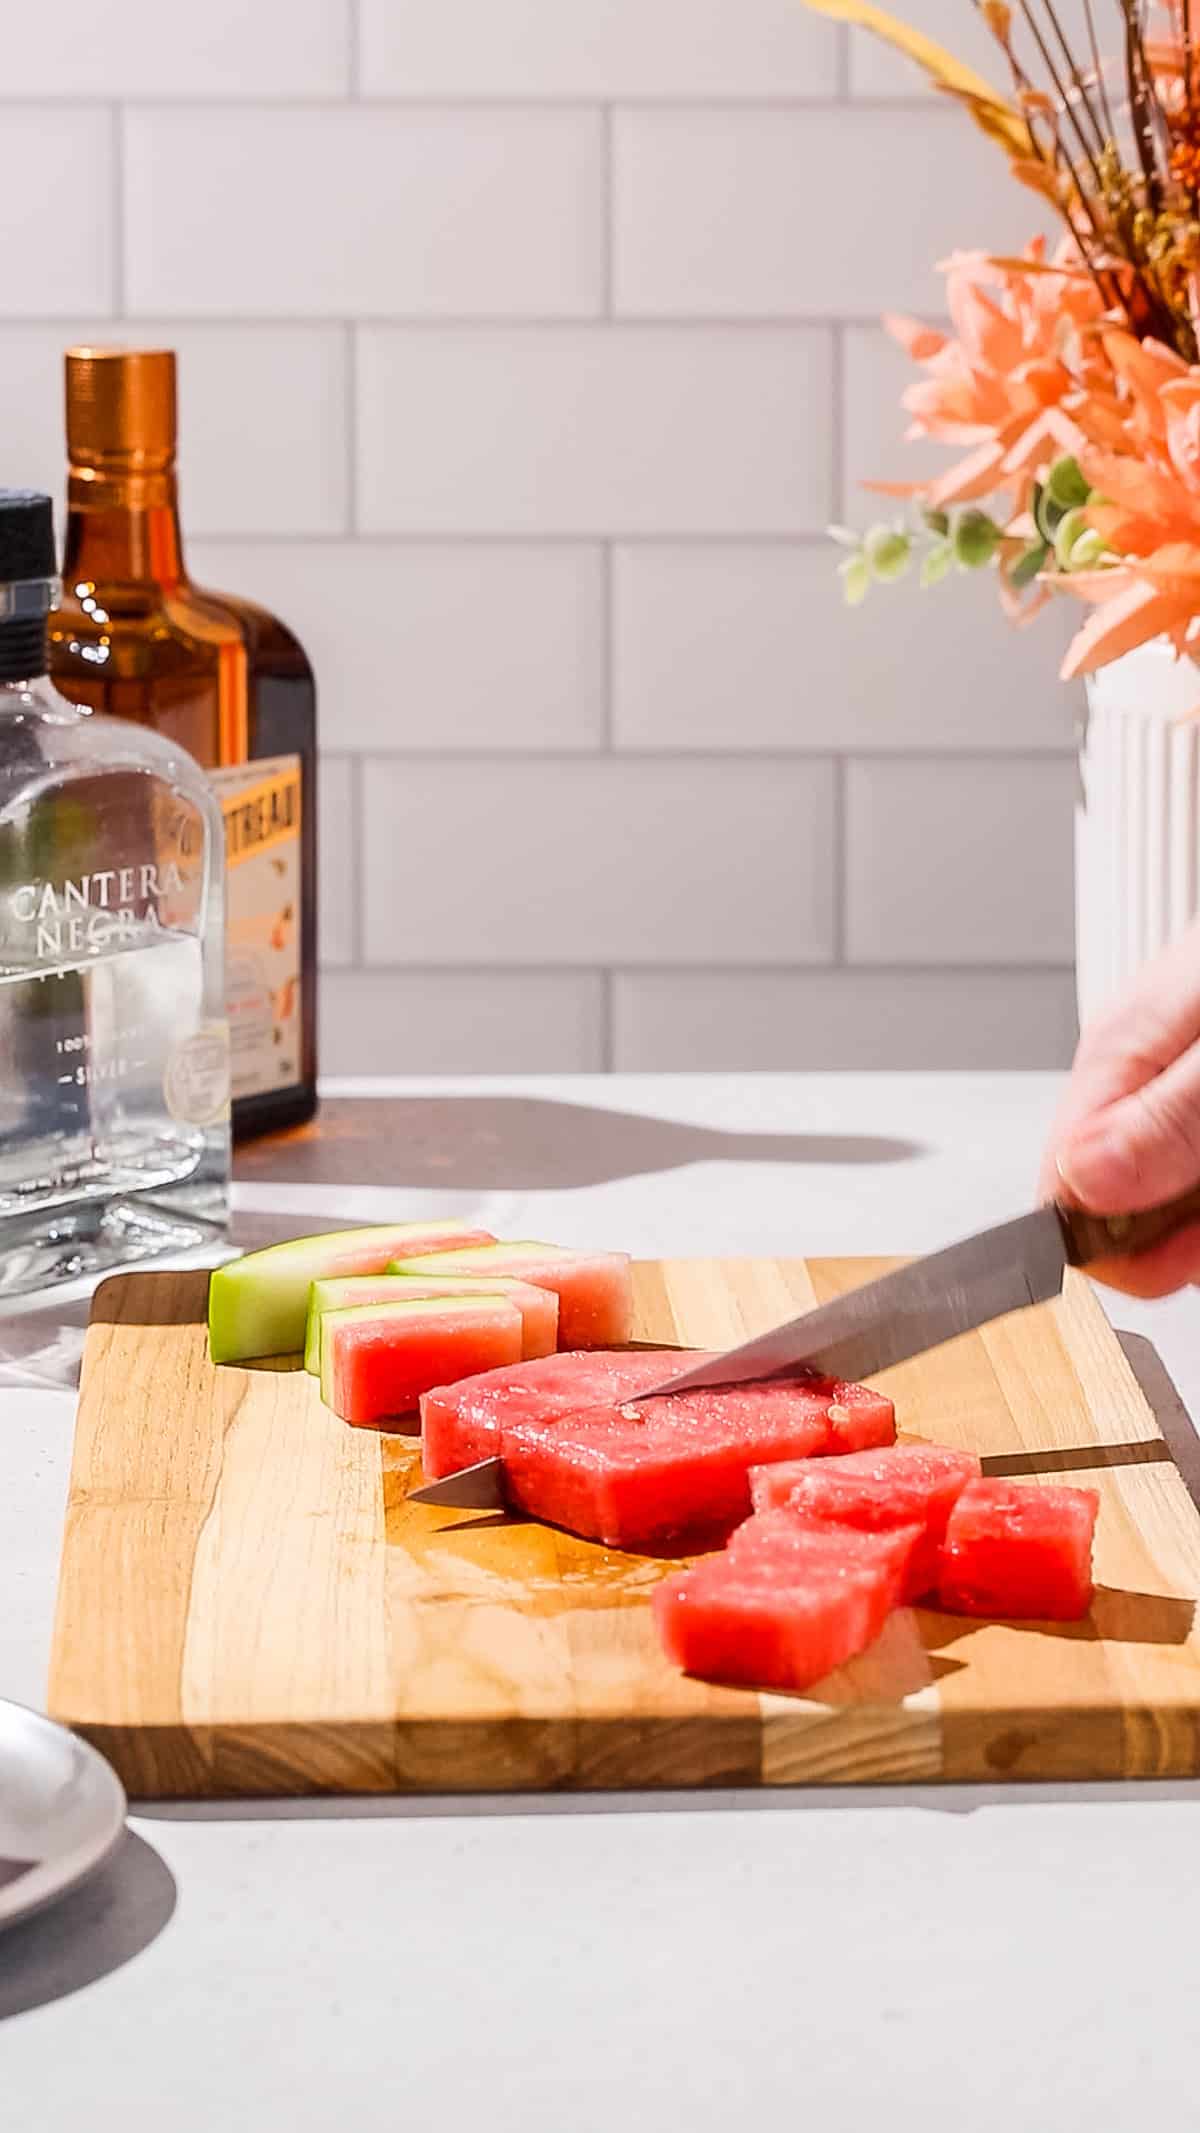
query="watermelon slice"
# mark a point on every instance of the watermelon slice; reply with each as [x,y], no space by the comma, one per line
[787,1607]
[258,1305]
[1019,1553]
[377,1359]
[538,1307]
[594,1289]
[874,1492]
[651,1478]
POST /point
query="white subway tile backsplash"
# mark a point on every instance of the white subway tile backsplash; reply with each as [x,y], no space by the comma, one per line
[568,430]
[599,861]
[808,213]
[440,647]
[959,862]
[141,48]
[57,241]
[596,48]
[262,418]
[740,645]
[722,1021]
[462,1022]
[339,833]
[359,212]
[875,373]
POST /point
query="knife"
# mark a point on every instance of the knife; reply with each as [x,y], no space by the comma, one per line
[900,1315]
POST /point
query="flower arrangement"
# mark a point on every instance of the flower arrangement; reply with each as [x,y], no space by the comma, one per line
[1070,379]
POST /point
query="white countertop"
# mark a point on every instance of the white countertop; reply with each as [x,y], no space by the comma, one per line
[971,1959]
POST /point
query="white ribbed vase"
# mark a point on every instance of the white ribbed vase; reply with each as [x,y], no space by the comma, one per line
[1137,825]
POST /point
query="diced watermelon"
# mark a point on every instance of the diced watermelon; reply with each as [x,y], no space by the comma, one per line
[1019,1553]
[594,1289]
[377,1359]
[651,1478]
[786,1608]
[874,1492]
[538,1307]
[258,1305]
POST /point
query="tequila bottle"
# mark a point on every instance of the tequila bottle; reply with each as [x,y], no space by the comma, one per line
[114,1048]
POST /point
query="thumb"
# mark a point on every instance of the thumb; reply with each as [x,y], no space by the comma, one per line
[1142,1149]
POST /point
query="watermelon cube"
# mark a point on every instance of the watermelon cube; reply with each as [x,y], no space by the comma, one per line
[377,1359]
[786,1607]
[875,1492]
[1019,1553]
[538,1307]
[594,1289]
[578,1453]
[258,1305]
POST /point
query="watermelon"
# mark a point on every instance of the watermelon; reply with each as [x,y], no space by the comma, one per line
[258,1305]
[538,1307]
[874,1492]
[594,1289]
[786,1607]
[378,1358]
[652,1478]
[1019,1553]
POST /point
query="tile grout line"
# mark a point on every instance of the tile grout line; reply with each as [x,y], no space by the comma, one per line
[608,1034]
[837,420]
[350,424]
[840,861]
[354,51]
[358,878]
[744,104]
[626,967]
[118,210]
[761,758]
[608,230]
[607,651]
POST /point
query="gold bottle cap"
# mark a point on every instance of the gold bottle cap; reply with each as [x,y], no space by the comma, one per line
[121,408]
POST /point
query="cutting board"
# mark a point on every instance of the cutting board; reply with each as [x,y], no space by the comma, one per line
[248,1605]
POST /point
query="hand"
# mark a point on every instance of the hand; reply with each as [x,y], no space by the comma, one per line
[1127,1135]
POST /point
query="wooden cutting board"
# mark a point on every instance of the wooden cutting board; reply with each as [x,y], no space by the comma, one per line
[248,1606]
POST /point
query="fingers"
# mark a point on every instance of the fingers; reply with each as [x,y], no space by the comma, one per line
[1175,1264]
[1142,1149]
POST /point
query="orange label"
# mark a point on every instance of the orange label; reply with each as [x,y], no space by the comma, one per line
[263,947]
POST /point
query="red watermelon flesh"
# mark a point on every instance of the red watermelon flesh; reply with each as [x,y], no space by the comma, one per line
[1023,1554]
[594,1289]
[378,1359]
[650,1478]
[783,1612]
[875,1492]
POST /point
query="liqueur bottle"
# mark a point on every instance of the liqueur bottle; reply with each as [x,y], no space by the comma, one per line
[136,639]
[114,1048]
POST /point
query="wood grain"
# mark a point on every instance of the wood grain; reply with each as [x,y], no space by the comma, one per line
[249,1604]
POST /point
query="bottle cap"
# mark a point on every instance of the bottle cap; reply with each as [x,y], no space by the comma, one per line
[28,564]
[121,408]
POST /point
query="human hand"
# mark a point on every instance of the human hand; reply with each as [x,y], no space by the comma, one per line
[1127,1134]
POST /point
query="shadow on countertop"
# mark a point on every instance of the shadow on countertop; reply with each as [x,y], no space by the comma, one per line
[520,1144]
[100,1926]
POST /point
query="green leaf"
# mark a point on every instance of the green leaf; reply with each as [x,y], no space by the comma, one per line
[936,521]
[888,550]
[936,562]
[975,538]
[1090,549]
[855,575]
[1066,484]
[1047,514]
[1028,563]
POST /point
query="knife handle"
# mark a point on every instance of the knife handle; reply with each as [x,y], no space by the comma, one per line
[1093,1237]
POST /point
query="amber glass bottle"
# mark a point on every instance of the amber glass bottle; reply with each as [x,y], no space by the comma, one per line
[226,680]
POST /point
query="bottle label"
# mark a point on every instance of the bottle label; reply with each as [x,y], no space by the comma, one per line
[263,948]
[196,1080]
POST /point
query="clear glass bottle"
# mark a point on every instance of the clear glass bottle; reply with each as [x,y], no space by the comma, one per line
[114,1048]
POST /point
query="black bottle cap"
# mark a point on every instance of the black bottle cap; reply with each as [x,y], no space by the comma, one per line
[26,536]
